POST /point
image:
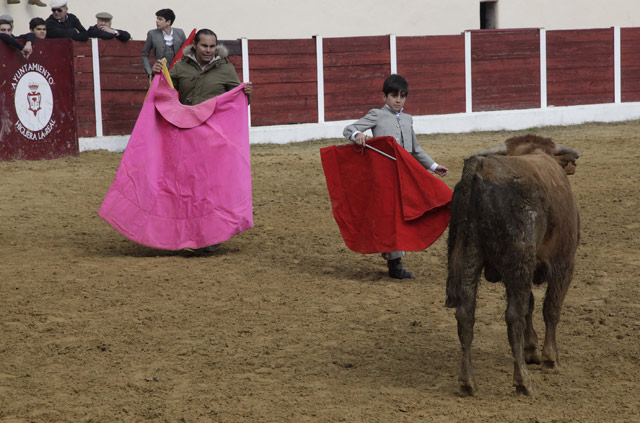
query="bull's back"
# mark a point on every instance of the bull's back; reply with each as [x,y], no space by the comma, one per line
[506,203]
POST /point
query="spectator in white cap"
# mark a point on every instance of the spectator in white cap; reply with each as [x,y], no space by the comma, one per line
[102,29]
[62,24]
[6,35]
[33,2]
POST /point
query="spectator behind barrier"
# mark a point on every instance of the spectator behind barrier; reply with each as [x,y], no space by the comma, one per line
[6,35]
[165,40]
[102,29]
[61,24]
[38,27]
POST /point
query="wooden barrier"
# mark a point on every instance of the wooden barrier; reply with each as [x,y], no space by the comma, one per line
[630,63]
[505,75]
[286,74]
[580,67]
[37,107]
[354,69]
[434,68]
[505,69]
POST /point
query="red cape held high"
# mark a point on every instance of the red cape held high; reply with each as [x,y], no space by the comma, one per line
[180,53]
[383,205]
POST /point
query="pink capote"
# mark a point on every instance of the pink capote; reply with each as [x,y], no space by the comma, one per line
[383,205]
[185,176]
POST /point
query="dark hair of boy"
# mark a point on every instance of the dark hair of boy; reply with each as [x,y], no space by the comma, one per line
[203,31]
[35,22]
[395,84]
[167,14]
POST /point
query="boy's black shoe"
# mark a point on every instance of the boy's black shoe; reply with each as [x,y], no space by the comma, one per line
[396,270]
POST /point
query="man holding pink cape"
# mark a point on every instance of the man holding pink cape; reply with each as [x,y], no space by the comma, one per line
[185,177]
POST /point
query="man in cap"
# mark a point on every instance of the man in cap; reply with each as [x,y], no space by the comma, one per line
[102,29]
[6,35]
[33,2]
[61,24]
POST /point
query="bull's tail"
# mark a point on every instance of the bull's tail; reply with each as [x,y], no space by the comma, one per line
[455,255]
[461,232]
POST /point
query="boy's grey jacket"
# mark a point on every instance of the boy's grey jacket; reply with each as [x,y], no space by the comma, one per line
[385,122]
[155,40]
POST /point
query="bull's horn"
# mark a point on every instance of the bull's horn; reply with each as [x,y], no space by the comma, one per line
[499,150]
[561,150]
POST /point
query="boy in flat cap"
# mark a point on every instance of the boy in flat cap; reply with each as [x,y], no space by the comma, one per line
[61,24]
[6,35]
[102,29]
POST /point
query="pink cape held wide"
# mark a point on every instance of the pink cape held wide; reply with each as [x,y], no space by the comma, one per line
[381,204]
[185,176]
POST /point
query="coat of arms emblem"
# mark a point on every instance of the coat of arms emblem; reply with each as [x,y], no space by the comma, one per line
[34,97]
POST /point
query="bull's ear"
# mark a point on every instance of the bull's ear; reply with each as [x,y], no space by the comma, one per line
[499,150]
[562,150]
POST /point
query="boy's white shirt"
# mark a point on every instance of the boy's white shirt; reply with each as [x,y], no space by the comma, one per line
[168,38]
[432,168]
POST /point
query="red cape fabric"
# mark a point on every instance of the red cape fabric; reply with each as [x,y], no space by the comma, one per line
[187,42]
[383,205]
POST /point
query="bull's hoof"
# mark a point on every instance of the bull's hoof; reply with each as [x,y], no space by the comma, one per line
[532,356]
[524,390]
[451,302]
[468,389]
[550,364]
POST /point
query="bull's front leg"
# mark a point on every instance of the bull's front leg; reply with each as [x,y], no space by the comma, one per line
[518,294]
[465,315]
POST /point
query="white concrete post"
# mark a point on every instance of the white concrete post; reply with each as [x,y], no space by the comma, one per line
[393,53]
[245,68]
[467,72]
[320,71]
[97,95]
[543,68]
[617,65]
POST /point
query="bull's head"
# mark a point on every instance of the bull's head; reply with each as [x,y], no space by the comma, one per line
[529,144]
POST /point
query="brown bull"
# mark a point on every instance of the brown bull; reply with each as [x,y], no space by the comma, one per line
[513,214]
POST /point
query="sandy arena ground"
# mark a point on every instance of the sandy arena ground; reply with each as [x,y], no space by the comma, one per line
[284,323]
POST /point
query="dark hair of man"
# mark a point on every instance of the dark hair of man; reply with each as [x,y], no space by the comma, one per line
[395,84]
[167,14]
[33,23]
[202,32]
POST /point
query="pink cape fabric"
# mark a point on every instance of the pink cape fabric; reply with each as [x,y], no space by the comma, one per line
[382,205]
[185,176]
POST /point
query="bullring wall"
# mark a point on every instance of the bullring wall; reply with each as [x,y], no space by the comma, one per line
[505,74]
[308,88]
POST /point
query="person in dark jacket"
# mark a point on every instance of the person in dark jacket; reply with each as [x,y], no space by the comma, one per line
[61,24]
[102,29]
[6,35]
[204,71]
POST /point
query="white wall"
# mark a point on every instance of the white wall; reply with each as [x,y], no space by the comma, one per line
[337,18]
[568,14]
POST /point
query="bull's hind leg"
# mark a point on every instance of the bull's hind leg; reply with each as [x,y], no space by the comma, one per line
[465,315]
[531,353]
[554,298]
[518,294]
